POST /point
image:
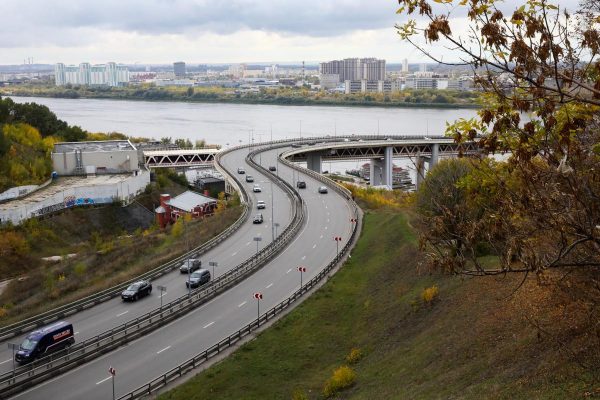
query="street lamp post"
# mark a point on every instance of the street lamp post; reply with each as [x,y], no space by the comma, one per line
[272,215]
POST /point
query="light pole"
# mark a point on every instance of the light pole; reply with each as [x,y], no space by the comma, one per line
[257,239]
[272,215]
[13,347]
[302,270]
[337,239]
[213,264]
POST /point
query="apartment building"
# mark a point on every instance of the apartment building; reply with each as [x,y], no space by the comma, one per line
[109,74]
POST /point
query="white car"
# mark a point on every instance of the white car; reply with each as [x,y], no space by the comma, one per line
[260,204]
[256,189]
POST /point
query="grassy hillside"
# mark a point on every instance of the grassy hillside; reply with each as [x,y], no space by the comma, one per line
[472,340]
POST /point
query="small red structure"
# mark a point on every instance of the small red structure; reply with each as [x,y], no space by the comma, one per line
[189,202]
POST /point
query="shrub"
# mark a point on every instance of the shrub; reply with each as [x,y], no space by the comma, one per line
[354,356]
[342,378]
[79,269]
[299,395]
[430,294]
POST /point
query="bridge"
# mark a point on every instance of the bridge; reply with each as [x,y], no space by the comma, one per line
[179,158]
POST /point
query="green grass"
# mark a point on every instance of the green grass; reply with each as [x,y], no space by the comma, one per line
[469,343]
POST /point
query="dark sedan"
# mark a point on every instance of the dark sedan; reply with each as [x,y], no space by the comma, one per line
[137,290]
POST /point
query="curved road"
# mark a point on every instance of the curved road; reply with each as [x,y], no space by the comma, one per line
[328,215]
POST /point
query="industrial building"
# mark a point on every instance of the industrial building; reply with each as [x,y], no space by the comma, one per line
[97,157]
[109,74]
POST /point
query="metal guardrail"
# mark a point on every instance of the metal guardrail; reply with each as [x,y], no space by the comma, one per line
[205,355]
[60,312]
[45,368]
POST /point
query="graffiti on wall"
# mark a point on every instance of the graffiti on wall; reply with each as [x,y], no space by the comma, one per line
[70,201]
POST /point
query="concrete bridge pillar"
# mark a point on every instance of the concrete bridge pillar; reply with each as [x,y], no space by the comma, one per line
[420,170]
[314,162]
[376,173]
[388,166]
[435,153]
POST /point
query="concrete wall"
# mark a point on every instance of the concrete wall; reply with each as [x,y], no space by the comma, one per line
[124,191]
[104,161]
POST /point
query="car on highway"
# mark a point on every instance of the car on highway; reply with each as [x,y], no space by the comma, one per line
[137,290]
[296,145]
[301,185]
[42,342]
[241,170]
[256,189]
[249,178]
[260,204]
[272,168]
[258,219]
[190,265]
[323,189]
[198,278]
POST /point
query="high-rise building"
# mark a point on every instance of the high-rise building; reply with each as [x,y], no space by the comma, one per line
[179,69]
[109,74]
[405,66]
[353,69]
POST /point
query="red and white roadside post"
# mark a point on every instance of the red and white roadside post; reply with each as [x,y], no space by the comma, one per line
[337,239]
[258,297]
[302,270]
[112,372]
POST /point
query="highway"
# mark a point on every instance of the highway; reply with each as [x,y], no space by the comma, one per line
[237,248]
[328,215]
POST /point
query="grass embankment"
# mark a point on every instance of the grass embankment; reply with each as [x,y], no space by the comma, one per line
[389,331]
[111,245]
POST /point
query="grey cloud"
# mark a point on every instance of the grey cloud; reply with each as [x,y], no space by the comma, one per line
[320,18]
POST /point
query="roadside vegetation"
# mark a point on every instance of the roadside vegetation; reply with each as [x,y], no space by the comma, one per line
[385,327]
[281,96]
[96,247]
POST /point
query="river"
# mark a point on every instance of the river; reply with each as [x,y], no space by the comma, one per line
[232,124]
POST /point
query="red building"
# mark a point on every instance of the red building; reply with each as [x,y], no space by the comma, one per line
[189,202]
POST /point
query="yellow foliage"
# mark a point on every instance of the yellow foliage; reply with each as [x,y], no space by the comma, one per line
[354,356]
[430,294]
[343,377]
[380,198]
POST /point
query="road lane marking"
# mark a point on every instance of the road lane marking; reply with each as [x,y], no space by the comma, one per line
[325,228]
[234,254]
[207,325]
[321,237]
[314,245]
[327,219]
[4,362]
[248,244]
[161,295]
[242,304]
[303,257]
[166,348]
[103,380]
[289,270]
[269,285]
[76,333]
[123,313]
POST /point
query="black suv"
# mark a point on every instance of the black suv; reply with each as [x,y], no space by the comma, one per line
[190,265]
[301,185]
[137,290]
[198,278]
[241,170]
[272,168]
[249,178]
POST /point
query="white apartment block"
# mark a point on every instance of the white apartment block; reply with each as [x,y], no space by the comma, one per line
[354,69]
[366,86]
[109,74]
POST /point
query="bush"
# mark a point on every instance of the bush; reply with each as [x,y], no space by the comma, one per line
[342,378]
[430,294]
[354,356]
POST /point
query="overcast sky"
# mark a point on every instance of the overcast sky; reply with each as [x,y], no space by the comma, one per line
[200,31]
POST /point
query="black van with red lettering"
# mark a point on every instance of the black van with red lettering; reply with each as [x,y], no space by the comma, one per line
[45,341]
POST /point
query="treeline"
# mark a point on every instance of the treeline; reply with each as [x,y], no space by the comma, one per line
[283,95]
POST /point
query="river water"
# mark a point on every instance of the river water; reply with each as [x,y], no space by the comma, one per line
[232,124]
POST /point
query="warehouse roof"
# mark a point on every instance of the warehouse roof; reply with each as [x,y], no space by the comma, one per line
[187,201]
[94,146]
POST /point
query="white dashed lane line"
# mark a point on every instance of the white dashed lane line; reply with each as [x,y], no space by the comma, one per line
[207,325]
[242,304]
[103,380]
[321,237]
[303,257]
[234,254]
[248,244]
[288,271]
[4,362]
[314,245]
[166,348]
[123,313]
[269,285]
